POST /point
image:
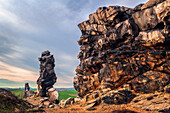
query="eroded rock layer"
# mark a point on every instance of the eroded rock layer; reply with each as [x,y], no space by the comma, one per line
[121,45]
[27,92]
[47,76]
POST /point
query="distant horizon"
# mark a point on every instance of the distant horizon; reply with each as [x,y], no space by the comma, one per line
[32,88]
[29,27]
[13,84]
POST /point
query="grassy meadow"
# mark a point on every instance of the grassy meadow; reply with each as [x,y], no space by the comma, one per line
[67,94]
[62,94]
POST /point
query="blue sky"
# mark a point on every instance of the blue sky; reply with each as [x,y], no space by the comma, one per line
[28,27]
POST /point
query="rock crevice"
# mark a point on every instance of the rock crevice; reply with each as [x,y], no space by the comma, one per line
[121,45]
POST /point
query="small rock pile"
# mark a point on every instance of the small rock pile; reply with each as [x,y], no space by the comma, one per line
[121,45]
[47,78]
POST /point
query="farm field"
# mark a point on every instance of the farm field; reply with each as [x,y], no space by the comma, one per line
[67,94]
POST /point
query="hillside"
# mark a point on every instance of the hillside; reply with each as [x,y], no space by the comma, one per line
[11,103]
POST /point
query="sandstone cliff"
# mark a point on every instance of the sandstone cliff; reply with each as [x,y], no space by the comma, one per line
[124,46]
[124,57]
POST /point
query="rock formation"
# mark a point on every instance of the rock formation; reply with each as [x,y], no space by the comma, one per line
[53,96]
[27,91]
[124,46]
[47,75]
[152,102]
[125,54]
[27,87]
[124,60]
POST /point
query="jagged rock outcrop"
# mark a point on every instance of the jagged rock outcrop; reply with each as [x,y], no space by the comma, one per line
[124,57]
[47,75]
[27,91]
[124,46]
[46,81]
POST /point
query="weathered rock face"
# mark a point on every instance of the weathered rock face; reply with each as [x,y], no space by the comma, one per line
[47,75]
[27,87]
[152,102]
[122,45]
[27,91]
[53,96]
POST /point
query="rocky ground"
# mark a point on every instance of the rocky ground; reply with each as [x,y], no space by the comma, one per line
[157,102]
[100,109]
[124,64]
[145,103]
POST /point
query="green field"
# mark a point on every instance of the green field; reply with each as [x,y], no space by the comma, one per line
[66,94]
[9,103]
[62,94]
[19,92]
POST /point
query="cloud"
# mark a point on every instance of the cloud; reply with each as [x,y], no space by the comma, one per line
[4,83]
[28,27]
[14,21]
[16,74]
[12,84]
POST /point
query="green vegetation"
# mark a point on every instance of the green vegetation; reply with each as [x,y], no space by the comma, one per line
[2,107]
[18,92]
[67,94]
[5,109]
[62,94]
[9,103]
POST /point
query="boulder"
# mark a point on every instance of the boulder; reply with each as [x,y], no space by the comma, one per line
[53,95]
[64,103]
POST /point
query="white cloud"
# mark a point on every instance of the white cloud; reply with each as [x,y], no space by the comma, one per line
[28,27]
[20,75]
[66,57]
[16,74]
[7,17]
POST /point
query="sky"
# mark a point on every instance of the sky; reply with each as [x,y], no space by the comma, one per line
[29,27]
